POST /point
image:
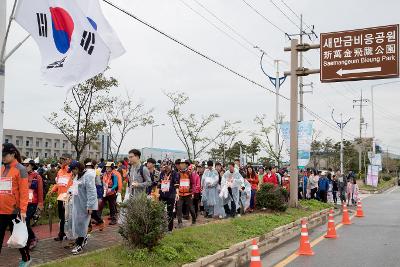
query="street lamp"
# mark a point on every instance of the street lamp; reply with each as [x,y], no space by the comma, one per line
[373,114]
[152,133]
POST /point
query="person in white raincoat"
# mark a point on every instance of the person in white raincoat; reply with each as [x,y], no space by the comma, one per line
[230,186]
[245,195]
[209,185]
[84,196]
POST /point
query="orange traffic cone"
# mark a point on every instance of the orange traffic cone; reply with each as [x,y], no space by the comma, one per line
[346,218]
[331,226]
[255,255]
[305,246]
[360,212]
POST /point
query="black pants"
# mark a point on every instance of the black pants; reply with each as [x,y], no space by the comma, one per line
[313,193]
[170,202]
[79,241]
[323,196]
[112,203]
[196,203]
[6,220]
[230,211]
[185,200]
[29,214]
[61,216]
[334,193]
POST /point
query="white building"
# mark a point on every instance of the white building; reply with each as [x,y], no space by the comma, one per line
[51,145]
[162,153]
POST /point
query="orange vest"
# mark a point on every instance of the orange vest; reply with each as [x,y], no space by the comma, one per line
[14,185]
[63,181]
[184,184]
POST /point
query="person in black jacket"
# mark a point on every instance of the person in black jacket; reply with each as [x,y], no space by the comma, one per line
[335,188]
[169,190]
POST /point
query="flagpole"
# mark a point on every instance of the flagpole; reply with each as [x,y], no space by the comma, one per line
[3,30]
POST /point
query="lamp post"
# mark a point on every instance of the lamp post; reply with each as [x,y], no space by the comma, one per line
[152,133]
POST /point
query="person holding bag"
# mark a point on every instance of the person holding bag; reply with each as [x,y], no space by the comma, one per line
[13,195]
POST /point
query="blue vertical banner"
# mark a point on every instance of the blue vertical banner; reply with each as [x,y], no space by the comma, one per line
[304,133]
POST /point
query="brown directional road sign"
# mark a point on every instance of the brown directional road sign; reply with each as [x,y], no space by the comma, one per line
[371,53]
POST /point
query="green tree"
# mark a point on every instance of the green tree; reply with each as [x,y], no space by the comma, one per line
[265,133]
[191,130]
[80,121]
[254,147]
[123,116]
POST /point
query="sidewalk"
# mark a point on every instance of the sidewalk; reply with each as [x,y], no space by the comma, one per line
[50,250]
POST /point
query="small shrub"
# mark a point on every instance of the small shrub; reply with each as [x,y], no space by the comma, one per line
[50,203]
[144,222]
[272,197]
[386,177]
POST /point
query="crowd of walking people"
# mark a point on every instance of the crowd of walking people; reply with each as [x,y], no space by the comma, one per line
[188,189]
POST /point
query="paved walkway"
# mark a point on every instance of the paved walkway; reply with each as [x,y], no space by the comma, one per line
[50,250]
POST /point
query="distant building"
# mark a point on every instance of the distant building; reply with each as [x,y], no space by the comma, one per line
[50,145]
[161,153]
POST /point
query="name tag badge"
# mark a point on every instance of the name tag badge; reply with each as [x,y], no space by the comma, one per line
[5,185]
[30,195]
[185,183]
[63,181]
[165,186]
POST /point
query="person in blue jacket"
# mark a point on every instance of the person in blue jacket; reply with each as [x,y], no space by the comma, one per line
[323,187]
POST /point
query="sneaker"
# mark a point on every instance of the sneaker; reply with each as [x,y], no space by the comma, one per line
[60,237]
[193,222]
[77,250]
[85,241]
[24,263]
[113,222]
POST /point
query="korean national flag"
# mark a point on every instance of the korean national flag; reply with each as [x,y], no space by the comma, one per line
[71,48]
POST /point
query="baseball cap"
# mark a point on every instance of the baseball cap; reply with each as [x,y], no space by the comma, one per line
[74,164]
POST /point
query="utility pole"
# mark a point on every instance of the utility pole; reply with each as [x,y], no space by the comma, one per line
[301,84]
[295,73]
[277,81]
[341,126]
[360,104]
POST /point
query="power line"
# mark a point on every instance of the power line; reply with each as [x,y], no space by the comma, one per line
[192,49]
[265,18]
[284,14]
[218,28]
[216,62]
[310,28]
[230,27]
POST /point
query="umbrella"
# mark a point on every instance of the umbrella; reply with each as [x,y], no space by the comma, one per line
[50,218]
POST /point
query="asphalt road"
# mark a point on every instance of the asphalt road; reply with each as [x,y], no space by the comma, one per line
[370,241]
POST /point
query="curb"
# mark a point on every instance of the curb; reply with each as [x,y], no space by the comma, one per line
[240,253]
[380,191]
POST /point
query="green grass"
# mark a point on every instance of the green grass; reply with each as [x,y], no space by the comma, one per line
[188,244]
[381,186]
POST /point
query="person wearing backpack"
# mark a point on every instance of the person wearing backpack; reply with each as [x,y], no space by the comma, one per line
[139,175]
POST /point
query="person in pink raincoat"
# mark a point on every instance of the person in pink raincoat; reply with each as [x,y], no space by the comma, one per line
[349,191]
[355,192]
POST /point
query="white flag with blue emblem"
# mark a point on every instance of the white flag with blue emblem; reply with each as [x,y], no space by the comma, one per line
[72,50]
[92,10]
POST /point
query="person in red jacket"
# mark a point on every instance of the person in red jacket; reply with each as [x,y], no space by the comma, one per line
[252,178]
[35,198]
[13,195]
[270,177]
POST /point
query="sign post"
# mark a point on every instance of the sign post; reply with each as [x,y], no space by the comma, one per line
[370,53]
